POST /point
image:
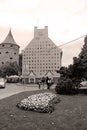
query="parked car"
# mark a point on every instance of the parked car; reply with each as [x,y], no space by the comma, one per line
[12,79]
[83,83]
[2,83]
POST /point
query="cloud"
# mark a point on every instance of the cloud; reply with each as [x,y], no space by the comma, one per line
[66,20]
[71,50]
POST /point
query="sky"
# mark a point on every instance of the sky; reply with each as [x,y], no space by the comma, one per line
[66,20]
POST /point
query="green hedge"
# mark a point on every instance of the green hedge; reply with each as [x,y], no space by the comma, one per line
[66,86]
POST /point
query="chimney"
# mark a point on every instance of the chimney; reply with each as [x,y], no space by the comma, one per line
[46,27]
[35,27]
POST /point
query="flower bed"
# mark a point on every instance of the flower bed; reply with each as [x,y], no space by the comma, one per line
[43,102]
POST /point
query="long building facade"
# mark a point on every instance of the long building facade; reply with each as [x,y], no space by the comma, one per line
[9,50]
[41,57]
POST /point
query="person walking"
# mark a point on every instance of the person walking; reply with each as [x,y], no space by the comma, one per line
[43,81]
[39,83]
[48,82]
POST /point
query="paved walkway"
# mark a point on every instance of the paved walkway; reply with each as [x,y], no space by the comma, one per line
[15,88]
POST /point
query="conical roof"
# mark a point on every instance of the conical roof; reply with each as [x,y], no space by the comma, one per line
[9,38]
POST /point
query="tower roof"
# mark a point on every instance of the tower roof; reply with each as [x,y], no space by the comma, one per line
[9,38]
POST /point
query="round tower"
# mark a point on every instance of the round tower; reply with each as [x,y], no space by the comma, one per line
[9,50]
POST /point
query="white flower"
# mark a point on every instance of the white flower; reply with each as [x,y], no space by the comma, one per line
[39,102]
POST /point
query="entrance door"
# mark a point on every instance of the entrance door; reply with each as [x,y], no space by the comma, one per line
[31,80]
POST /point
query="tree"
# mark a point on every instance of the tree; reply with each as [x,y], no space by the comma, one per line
[20,64]
[78,69]
[83,59]
[72,75]
[63,71]
[10,68]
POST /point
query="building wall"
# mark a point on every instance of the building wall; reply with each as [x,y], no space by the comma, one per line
[41,54]
[9,52]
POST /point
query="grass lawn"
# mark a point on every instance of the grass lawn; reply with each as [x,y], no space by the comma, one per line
[69,114]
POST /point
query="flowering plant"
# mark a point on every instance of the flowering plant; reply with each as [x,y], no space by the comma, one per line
[43,102]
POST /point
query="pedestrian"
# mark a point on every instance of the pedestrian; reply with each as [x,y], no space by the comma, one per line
[43,80]
[48,83]
[39,83]
[22,81]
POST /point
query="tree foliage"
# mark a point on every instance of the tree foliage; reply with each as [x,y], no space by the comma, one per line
[10,68]
[83,59]
[65,86]
[78,69]
[75,72]
[20,64]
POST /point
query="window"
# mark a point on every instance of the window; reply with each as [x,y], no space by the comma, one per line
[11,45]
[3,45]
[11,58]
[0,52]
[15,53]
[2,62]
[37,38]
[6,52]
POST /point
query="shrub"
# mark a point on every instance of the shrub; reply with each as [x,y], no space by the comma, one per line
[65,86]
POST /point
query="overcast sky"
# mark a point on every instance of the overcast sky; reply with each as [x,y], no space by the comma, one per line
[66,20]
